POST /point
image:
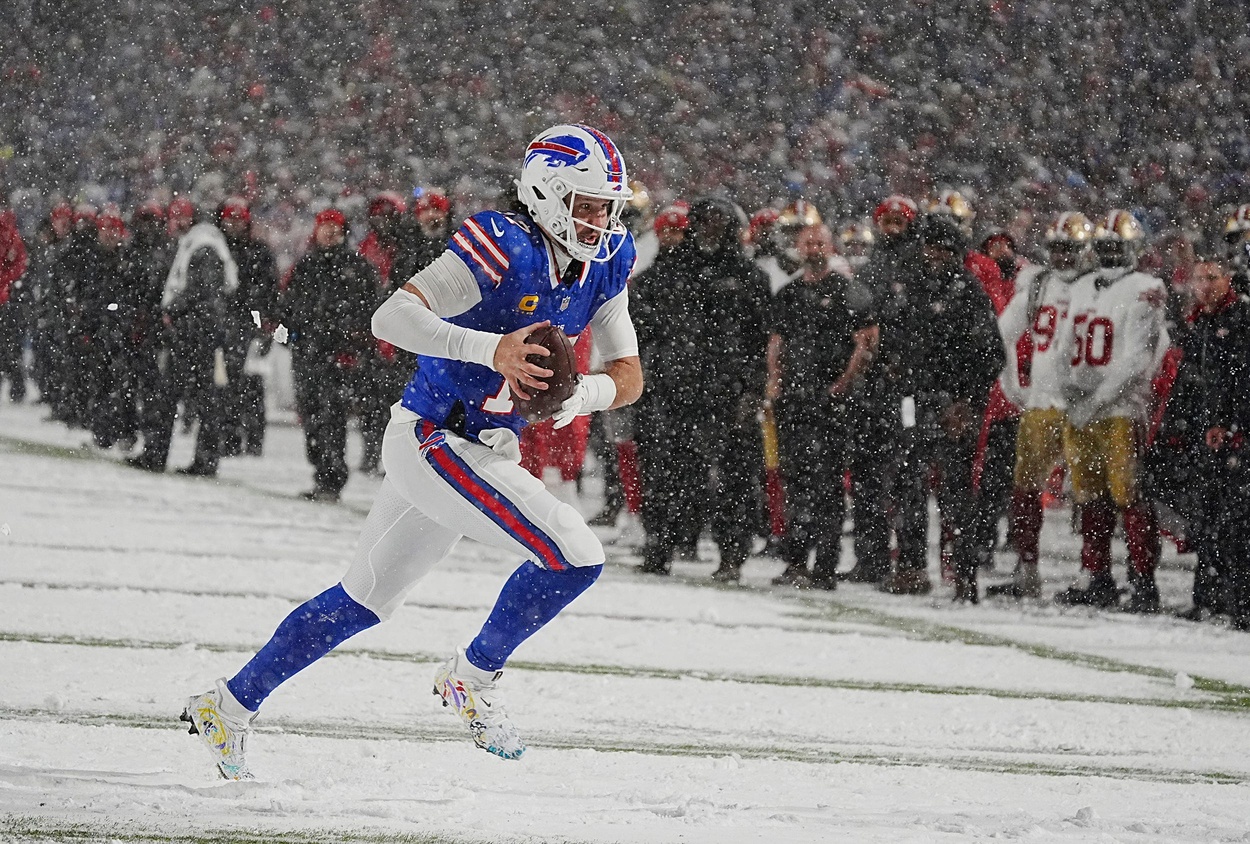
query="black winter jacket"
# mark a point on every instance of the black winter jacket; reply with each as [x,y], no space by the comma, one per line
[328,306]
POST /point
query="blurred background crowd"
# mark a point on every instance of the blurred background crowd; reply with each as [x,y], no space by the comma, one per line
[1038,106]
[898,164]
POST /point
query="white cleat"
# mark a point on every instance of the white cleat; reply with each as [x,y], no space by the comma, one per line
[473,694]
[224,725]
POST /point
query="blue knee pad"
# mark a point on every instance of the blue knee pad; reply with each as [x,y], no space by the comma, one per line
[532,597]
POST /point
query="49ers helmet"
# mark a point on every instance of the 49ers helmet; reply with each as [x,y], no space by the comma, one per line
[954,204]
[1237,226]
[1068,239]
[856,240]
[1119,239]
[570,161]
[1072,230]
[799,214]
[1237,235]
[856,233]
[760,231]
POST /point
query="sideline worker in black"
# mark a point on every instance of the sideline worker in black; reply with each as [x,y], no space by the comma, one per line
[715,390]
[944,342]
[876,430]
[327,309]
[1197,464]
[823,339]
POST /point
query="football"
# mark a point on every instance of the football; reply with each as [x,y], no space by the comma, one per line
[563,381]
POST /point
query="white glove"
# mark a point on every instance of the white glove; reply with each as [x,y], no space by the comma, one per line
[593,392]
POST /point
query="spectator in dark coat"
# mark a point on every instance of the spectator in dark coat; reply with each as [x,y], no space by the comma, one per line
[108,301]
[74,265]
[875,426]
[384,370]
[422,235]
[257,299]
[944,342]
[201,316]
[327,308]
[824,337]
[662,297]
[716,383]
[1197,463]
[150,255]
[13,305]
[51,240]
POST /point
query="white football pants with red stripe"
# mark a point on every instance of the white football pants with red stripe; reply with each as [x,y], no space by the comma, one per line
[439,487]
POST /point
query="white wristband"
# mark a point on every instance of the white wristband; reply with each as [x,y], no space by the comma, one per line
[600,392]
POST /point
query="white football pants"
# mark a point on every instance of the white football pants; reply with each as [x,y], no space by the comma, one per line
[440,486]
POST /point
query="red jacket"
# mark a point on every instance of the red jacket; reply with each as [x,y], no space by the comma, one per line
[999,407]
[381,256]
[13,258]
[987,271]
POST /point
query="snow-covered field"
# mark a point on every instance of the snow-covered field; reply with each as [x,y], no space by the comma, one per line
[655,711]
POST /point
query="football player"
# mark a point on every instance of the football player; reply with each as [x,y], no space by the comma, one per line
[1237,244]
[1115,339]
[1031,380]
[857,240]
[450,452]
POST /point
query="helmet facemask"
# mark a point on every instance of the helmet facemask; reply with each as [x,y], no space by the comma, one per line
[1118,240]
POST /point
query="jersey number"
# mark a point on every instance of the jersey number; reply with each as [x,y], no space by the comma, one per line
[1044,325]
[501,402]
[1094,340]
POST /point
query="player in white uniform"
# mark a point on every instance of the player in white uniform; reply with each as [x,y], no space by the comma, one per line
[450,451]
[1116,338]
[1032,380]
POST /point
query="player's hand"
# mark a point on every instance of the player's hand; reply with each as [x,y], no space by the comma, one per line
[510,361]
[572,406]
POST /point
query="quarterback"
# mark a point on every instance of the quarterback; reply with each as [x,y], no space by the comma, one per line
[451,452]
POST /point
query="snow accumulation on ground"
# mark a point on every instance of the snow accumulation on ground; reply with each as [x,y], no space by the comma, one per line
[655,710]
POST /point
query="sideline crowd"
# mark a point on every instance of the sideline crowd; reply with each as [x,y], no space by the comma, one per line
[792,367]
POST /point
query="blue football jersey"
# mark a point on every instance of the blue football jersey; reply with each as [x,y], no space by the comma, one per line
[517,274]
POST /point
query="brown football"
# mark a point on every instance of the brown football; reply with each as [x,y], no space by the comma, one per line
[563,381]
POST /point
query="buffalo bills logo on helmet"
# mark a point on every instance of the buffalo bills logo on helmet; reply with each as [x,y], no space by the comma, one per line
[558,150]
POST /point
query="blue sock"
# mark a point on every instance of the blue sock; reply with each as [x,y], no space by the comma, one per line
[310,632]
[531,598]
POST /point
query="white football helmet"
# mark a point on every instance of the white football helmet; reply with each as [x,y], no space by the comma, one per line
[1119,239]
[566,162]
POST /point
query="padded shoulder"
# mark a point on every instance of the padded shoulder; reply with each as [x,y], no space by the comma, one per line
[493,244]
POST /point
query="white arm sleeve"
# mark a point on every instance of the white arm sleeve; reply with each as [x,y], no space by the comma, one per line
[404,320]
[1011,324]
[447,285]
[612,330]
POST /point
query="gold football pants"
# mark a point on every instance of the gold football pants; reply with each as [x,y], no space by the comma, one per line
[1039,446]
[1102,458]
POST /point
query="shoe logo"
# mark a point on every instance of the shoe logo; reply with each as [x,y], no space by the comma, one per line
[495,228]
